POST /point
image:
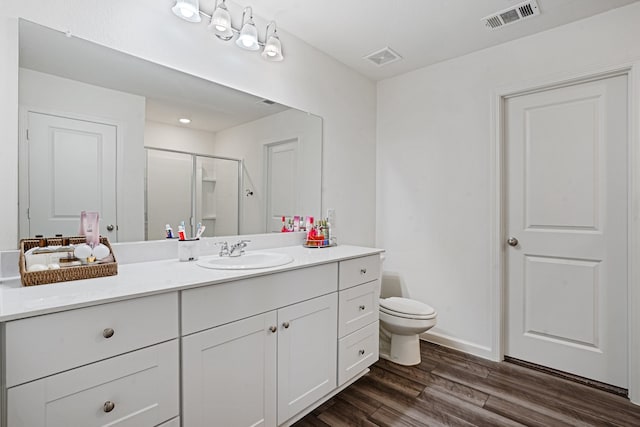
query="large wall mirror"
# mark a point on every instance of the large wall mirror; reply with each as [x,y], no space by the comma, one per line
[100,131]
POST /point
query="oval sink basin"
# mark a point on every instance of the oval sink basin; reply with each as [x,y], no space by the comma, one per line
[250,260]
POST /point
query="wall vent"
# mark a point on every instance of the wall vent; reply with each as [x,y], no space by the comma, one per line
[268,101]
[511,15]
[383,57]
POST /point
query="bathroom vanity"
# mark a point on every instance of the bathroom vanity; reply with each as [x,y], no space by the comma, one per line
[166,343]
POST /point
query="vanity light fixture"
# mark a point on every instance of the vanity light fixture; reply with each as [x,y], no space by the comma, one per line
[272,48]
[220,24]
[189,10]
[248,38]
[184,121]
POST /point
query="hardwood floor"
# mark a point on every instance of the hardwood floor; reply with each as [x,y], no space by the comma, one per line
[450,388]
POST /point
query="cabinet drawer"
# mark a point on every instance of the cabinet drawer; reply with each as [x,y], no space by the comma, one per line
[359,270]
[135,389]
[211,306]
[357,351]
[45,345]
[358,306]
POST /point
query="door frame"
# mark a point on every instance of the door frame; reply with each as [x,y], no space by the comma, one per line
[498,205]
[23,160]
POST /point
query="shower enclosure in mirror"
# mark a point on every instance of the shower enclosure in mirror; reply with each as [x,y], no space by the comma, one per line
[199,190]
[98,113]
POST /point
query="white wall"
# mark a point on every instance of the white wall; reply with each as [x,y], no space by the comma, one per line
[247,142]
[433,168]
[54,95]
[307,79]
[168,137]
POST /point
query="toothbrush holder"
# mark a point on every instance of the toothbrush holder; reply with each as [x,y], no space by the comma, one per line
[188,250]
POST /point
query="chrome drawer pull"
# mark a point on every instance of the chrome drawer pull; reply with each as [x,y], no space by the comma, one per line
[362,307]
[273,329]
[361,352]
[286,325]
[363,271]
[108,406]
[108,333]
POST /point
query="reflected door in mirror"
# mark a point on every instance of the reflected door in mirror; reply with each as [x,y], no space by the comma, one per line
[72,167]
[282,190]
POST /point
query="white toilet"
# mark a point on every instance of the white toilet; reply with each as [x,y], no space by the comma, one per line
[402,320]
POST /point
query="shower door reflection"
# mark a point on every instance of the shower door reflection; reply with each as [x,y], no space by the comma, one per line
[194,189]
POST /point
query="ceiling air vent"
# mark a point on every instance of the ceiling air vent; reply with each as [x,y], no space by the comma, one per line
[513,14]
[383,57]
[268,101]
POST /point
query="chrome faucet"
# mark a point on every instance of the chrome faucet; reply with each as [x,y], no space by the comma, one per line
[237,249]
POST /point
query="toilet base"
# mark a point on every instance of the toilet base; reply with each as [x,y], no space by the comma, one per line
[400,349]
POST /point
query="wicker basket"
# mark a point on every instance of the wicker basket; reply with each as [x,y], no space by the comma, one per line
[30,278]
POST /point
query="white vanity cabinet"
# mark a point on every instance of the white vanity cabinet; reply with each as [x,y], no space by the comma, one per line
[265,368]
[114,364]
[255,348]
[236,374]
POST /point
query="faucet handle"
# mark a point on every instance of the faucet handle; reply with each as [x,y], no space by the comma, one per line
[224,248]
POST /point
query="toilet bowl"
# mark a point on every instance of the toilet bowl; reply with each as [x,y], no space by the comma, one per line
[402,320]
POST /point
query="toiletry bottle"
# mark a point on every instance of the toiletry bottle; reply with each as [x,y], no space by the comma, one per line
[169,231]
[296,223]
[284,225]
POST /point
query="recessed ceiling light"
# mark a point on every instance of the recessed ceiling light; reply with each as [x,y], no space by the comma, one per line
[185,121]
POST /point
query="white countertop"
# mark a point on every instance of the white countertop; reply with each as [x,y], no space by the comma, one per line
[147,278]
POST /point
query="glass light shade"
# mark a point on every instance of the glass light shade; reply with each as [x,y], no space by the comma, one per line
[273,49]
[189,10]
[248,38]
[221,23]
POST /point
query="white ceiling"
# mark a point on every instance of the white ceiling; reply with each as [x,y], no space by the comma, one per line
[423,32]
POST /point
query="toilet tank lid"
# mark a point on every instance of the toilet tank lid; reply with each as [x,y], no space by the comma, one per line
[406,306]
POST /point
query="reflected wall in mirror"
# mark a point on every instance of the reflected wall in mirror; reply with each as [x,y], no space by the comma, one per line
[93,122]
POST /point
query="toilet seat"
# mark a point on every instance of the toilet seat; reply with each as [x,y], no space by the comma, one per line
[406,308]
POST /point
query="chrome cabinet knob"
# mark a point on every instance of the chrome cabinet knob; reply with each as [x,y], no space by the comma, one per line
[108,406]
[286,325]
[110,227]
[363,271]
[108,333]
[362,307]
[361,352]
[273,329]
[512,241]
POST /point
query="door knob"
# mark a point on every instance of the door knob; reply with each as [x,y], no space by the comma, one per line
[110,227]
[512,241]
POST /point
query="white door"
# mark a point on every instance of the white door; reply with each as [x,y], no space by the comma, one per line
[229,374]
[307,353]
[566,187]
[72,168]
[281,184]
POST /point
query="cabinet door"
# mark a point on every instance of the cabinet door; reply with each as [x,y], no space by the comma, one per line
[229,374]
[134,390]
[307,353]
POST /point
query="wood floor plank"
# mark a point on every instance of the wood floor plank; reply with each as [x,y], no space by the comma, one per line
[519,395]
[406,406]
[523,414]
[465,410]
[387,417]
[450,388]
[451,359]
[343,414]
[400,384]
[461,391]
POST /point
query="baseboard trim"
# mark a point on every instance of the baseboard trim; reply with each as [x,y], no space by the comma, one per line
[458,344]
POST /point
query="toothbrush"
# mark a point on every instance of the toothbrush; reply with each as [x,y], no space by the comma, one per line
[200,231]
